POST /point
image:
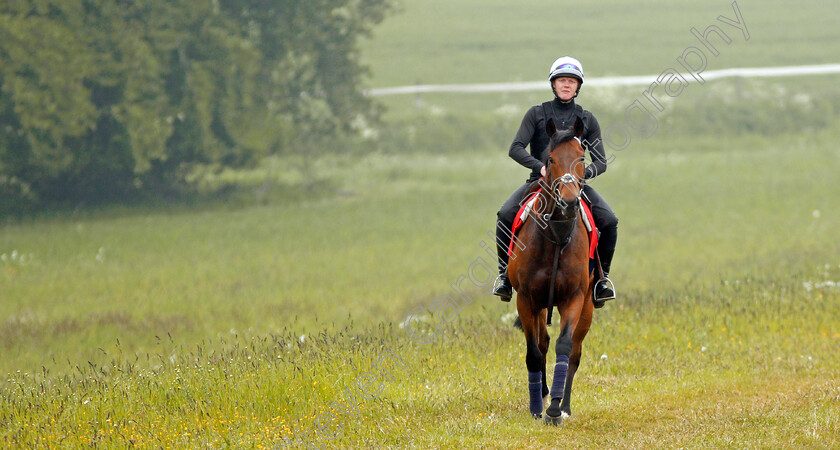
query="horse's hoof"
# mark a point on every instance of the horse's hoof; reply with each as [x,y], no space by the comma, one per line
[556,421]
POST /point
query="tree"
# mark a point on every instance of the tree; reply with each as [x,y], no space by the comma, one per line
[101,100]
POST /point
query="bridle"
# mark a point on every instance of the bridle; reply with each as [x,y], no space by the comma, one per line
[557,187]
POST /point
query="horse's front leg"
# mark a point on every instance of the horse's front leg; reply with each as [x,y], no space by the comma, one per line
[534,358]
[545,339]
[563,350]
[574,361]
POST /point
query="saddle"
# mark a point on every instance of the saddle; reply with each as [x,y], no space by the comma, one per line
[527,209]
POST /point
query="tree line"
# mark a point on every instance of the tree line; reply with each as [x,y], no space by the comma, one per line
[105,100]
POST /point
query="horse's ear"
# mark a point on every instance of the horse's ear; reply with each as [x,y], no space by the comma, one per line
[550,128]
[578,127]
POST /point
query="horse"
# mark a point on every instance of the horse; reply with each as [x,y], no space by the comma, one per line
[548,267]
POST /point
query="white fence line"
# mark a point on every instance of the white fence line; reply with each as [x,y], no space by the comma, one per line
[642,80]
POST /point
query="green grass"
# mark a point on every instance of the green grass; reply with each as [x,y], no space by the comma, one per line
[187,331]
[473,41]
[240,324]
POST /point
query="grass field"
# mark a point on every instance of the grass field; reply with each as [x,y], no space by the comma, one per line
[275,320]
[220,327]
[474,41]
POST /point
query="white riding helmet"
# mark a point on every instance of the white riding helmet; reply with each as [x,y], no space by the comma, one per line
[566,66]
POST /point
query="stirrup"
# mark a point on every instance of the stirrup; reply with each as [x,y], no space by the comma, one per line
[499,285]
[599,302]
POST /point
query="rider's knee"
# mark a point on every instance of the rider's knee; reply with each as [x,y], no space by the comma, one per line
[506,216]
[607,222]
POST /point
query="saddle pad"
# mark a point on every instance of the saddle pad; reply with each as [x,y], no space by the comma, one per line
[589,220]
[528,206]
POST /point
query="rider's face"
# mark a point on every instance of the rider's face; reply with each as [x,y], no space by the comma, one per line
[565,87]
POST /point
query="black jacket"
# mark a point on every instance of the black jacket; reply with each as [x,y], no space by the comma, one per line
[532,133]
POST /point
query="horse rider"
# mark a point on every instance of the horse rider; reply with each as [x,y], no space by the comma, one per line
[565,78]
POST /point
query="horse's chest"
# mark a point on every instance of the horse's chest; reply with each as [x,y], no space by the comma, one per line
[539,281]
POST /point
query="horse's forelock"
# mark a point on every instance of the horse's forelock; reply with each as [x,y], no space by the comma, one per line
[560,136]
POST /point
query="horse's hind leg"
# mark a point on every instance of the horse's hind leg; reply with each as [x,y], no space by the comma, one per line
[534,359]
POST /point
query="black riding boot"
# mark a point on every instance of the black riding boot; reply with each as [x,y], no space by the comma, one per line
[501,286]
[604,289]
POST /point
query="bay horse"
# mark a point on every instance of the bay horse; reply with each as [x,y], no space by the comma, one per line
[548,267]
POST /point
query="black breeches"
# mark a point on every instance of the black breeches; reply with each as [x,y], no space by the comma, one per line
[605,220]
[511,206]
[505,217]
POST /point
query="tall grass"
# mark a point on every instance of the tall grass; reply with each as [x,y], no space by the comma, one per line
[244,326]
[253,322]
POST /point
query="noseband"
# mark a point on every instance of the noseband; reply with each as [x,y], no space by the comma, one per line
[562,227]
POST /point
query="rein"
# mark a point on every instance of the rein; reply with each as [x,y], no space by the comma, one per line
[562,229]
